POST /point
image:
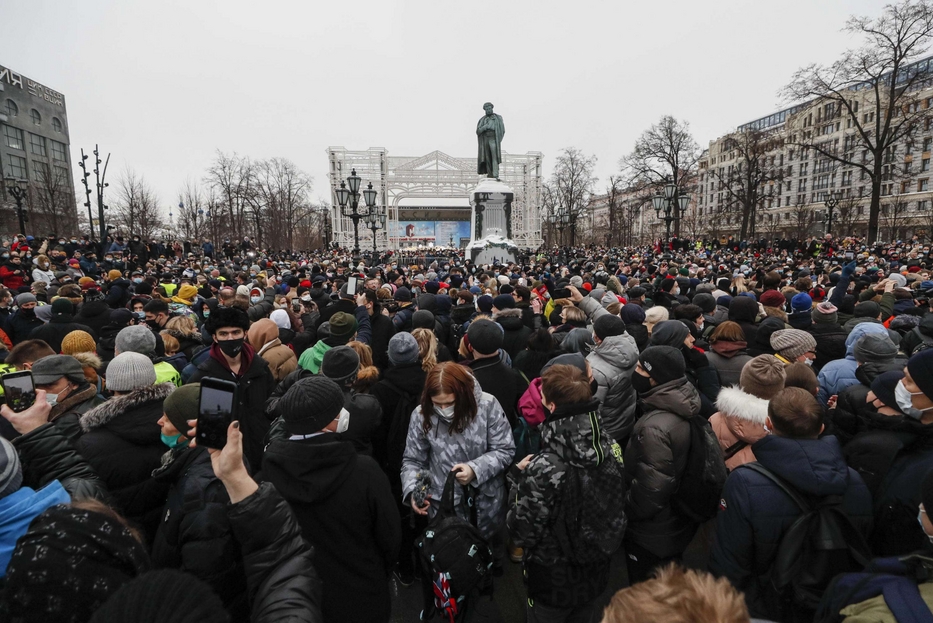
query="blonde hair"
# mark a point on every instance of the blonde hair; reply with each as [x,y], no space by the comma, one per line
[427,348]
[676,595]
[184,324]
[170,341]
[368,374]
[573,314]
[738,283]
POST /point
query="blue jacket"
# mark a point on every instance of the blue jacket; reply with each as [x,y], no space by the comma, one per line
[755,513]
[837,375]
[17,511]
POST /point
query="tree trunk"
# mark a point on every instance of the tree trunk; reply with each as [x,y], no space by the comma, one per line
[874,208]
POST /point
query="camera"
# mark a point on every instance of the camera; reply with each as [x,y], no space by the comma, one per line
[420,493]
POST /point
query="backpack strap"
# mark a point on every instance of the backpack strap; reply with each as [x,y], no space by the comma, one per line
[734,449]
[467,499]
[903,598]
[804,506]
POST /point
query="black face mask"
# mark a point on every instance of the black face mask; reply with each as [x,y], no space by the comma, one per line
[153,324]
[593,387]
[28,313]
[231,348]
[641,384]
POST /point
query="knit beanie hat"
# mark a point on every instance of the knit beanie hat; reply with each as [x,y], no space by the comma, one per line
[86,282]
[705,301]
[874,347]
[143,600]
[187,292]
[663,363]
[402,295]
[632,314]
[801,302]
[78,342]
[181,406]
[403,348]
[503,301]
[825,313]
[130,371]
[343,326]
[484,304]
[114,274]
[791,343]
[667,284]
[485,336]
[62,307]
[135,339]
[867,309]
[25,297]
[669,333]
[763,376]
[11,470]
[920,367]
[773,298]
[884,386]
[724,300]
[320,391]
[340,364]
[576,360]
[422,319]
[576,281]
[608,325]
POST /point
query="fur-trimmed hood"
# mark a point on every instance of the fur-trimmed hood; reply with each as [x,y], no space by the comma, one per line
[733,402]
[104,414]
[89,360]
[507,313]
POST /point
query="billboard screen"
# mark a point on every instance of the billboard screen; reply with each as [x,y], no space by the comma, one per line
[438,232]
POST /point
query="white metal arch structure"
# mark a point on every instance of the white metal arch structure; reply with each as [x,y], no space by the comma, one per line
[433,176]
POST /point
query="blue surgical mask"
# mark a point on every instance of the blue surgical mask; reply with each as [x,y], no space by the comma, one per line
[173,441]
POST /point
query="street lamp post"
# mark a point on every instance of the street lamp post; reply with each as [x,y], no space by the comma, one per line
[375,222]
[560,220]
[351,197]
[670,201]
[328,229]
[831,202]
[17,190]
[101,185]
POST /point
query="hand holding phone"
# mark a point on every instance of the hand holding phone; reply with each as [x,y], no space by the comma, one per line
[352,283]
[216,404]
[19,390]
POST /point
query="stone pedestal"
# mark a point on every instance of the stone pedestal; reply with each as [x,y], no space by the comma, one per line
[490,223]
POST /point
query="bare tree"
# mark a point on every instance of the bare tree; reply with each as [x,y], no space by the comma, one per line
[231,178]
[893,215]
[749,183]
[282,192]
[52,201]
[572,183]
[665,153]
[846,215]
[803,218]
[193,211]
[880,74]
[135,207]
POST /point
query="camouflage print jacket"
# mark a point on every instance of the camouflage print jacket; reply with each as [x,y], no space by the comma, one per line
[570,439]
[486,445]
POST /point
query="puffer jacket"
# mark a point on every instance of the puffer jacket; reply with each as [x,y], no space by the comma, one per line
[280,574]
[655,459]
[830,343]
[194,533]
[755,513]
[264,337]
[915,336]
[570,440]
[847,419]
[486,445]
[122,442]
[837,375]
[738,423]
[47,454]
[516,333]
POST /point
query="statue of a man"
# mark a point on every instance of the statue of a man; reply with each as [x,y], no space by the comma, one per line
[489,132]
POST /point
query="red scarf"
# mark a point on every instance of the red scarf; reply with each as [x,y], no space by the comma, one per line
[246,354]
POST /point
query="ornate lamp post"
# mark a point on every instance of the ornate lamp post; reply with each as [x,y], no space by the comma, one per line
[670,201]
[351,197]
[17,190]
[560,220]
[831,202]
[374,221]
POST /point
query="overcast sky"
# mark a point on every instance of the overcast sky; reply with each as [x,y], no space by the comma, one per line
[163,85]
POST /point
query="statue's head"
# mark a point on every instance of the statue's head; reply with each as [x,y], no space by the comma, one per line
[488,108]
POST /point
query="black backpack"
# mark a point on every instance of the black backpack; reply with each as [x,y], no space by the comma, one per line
[925,342]
[819,545]
[454,556]
[700,490]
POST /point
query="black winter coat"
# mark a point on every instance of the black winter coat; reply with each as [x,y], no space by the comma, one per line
[345,507]
[403,382]
[253,387]
[46,454]
[282,582]
[502,381]
[55,331]
[194,533]
[122,442]
[383,330]
[640,333]
[95,314]
[830,343]
[516,333]
[21,325]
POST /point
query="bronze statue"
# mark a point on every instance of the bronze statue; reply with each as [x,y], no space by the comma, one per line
[489,132]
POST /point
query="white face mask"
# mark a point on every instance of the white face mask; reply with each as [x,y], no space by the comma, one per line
[306,298]
[905,402]
[52,399]
[343,421]
[808,361]
[445,413]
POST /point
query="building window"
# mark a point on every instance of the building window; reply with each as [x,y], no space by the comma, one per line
[16,167]
[35,116]
[927,143]
[56,124]
[61,174]
[58,151]
[41,172]
[13,137]
[925,164]
[923,184]
[10,108]
[860,210]
[37,145]
[923,205]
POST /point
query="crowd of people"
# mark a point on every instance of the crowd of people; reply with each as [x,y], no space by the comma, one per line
[568,410]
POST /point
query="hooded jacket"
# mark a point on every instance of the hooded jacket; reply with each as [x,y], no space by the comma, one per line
[498,378]
[401,382]
[915,336]
[738,423]
[830,343]
[655,459]
[570,440]
[755,513]
[728,359]
[516,333]
[344,505]
[264,337]
[122,442]
[57,328]
[486,445]
[744,310]
[837,375]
